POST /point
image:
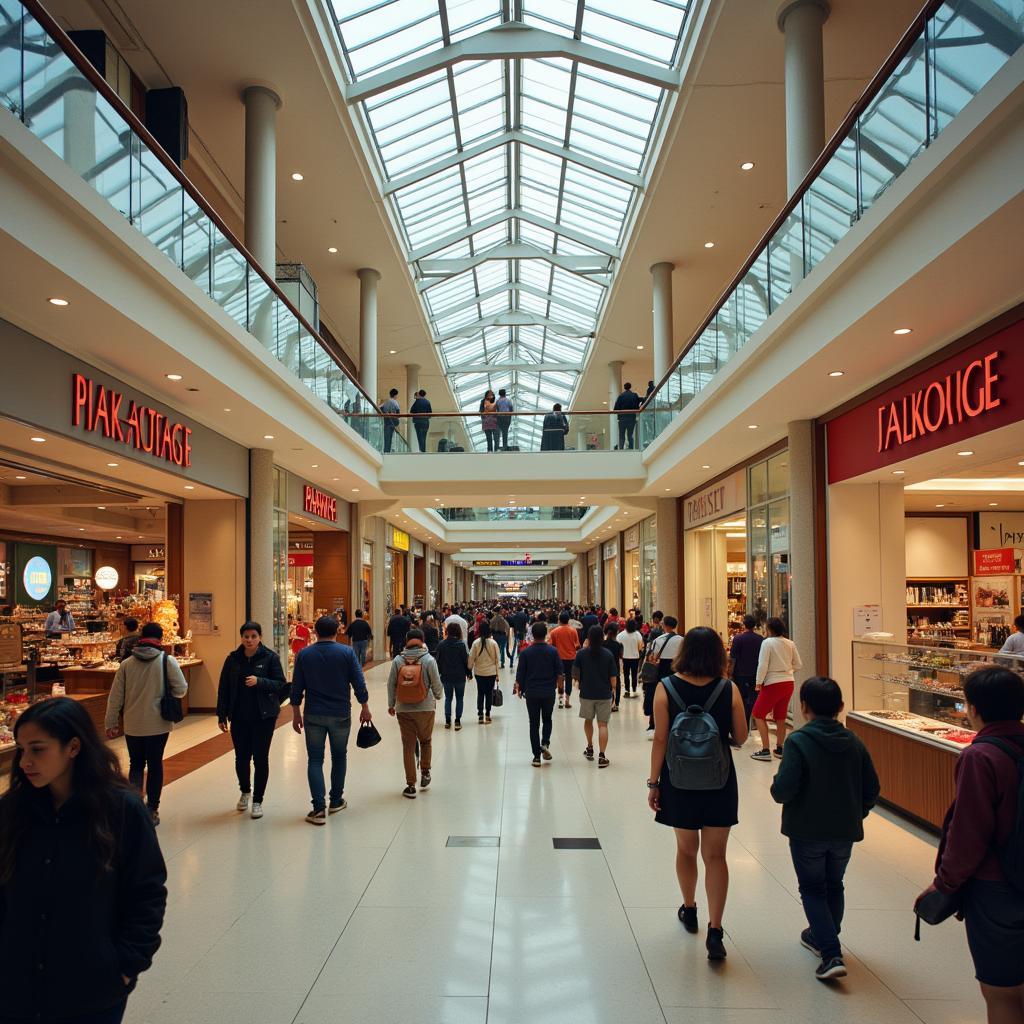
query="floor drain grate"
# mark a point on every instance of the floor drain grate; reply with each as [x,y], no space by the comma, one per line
[577,844]
[473,841]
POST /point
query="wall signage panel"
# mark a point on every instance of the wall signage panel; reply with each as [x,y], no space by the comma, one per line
[520,562]
[715,501]
[994,562]
[316,503]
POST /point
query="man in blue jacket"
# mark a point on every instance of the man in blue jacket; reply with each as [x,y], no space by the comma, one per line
[323,674]
[420,409]
[626,405]
[538,677]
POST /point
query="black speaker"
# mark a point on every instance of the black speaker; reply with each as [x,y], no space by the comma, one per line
[93,44]
[167,120]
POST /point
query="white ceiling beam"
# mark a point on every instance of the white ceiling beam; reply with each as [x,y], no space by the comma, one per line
[515,213]
[515,318]
[504,367]
[515,286]
[504,139]
[594,268]
[513,41]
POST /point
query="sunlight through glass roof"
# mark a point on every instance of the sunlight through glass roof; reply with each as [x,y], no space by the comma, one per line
[513,140]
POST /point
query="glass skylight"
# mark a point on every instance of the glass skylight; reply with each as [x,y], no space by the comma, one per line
[513,140]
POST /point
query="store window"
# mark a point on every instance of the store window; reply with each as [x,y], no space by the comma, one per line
[649,566]
[280,555]
[770,579]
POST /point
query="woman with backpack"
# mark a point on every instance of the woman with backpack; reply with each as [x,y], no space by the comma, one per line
[692,786]
[484,660]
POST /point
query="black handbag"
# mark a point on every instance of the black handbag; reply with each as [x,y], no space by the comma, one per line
[649,670]
[934,907]
[170,706]
[367,736]
[497,698]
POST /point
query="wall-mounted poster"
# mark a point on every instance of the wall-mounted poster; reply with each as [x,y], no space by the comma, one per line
[200,614]
[991,605]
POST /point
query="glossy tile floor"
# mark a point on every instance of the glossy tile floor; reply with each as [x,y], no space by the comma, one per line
[374,918]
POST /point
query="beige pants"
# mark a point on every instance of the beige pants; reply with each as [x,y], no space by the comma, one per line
[415,725]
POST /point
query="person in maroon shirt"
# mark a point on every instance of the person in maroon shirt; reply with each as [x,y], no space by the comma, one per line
[978,826]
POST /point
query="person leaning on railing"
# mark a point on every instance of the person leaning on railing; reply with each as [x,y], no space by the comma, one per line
[556,426]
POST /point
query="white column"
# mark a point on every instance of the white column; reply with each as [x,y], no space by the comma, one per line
[261,539]
[261,107]
[661,308]
[667,565]
[368,279]
[412,383]
[801,21]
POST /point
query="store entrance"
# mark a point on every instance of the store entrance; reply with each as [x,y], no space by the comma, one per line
[716,575]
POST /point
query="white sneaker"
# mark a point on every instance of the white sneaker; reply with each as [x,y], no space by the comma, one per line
[257,810]
[243,803]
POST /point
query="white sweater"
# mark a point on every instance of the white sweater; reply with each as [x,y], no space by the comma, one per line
[484,657]
[778,662]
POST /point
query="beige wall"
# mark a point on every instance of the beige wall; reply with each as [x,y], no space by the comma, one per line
[936,546]
[215,563]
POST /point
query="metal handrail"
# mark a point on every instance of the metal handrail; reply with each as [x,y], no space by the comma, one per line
[75,55]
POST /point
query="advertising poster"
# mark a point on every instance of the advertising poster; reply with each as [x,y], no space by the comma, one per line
[200,614]
[991,602]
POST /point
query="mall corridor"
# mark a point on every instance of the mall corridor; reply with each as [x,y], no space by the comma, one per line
[381,917]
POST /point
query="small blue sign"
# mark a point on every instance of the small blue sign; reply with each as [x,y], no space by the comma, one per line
[38,578]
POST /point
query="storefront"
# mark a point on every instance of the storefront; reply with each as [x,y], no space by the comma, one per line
[610,563]
[925,503]
[649,566]
[395,554]
[594,576]
[366,576]
[631,567]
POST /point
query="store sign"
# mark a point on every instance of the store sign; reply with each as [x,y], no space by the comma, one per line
[995,562]
[1002,530]
[316,503]
[520,562]
[632,539]
[399,539]
[302,560]
[611,550]
[720,499]
[367,553]
[37,578]
[143,553]
[95,407]
[106,577]
[971,393]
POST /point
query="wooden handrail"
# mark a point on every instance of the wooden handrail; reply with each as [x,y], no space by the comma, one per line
[75,55]
[471,415]
[902,48]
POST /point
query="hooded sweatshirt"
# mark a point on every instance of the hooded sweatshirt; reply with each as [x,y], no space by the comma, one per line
[137,688]
[826,783]
[435,691]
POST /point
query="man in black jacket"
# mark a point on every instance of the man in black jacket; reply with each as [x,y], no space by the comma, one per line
[251,691]
[556,426]
[626,405]
[538,677]
[517,623]
[421,423]
[398,630]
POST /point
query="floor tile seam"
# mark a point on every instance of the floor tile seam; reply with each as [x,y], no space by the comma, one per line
[497,875]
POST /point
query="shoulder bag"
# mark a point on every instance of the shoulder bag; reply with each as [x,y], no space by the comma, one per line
[170,706]
[649,671]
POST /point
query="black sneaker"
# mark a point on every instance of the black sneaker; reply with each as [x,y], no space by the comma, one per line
[830,969]
[334,808]
[715,945]
[807,941]
[447,725]
[317,817]
[545,753]
[589,753]
[761,755]
[480,719]
[535,762]
[410,792]
[155,815]
[688,917]
[424,780]
[458,725]
[602,761]
[778,752]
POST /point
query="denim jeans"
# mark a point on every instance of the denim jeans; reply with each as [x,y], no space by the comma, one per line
[359,647]
[146,757]
[567,677]
[820,866]
[502,641]
[484,693]
[319,729]
[539,711]
[456,689]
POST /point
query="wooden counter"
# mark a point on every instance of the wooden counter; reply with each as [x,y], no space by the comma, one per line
[94,703]
[916,774]
[78,680]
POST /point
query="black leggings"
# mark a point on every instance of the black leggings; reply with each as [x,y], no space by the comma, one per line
[252,740]
[484,692]
[146,757]
[629,671]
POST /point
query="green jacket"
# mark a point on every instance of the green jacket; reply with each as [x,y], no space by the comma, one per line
[826,783]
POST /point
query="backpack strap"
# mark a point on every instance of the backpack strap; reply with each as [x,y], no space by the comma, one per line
[722,683]
[672,691]
[1008,746]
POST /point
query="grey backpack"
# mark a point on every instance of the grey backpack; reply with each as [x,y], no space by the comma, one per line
[696,756]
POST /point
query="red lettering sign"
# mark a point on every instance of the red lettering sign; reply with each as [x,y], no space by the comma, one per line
[994,562]
[316,503]
[95,407]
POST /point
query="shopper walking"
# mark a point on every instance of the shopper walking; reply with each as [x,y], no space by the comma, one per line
[744,653]
[612,645]
[778,661]
[701,817]
[82,879]
[499,630]
[518,622]
[420,409]
[325,675]
[663,650]
[538,677]
[398,629]
[456,617]
[566,641]
[453,667]
[632,642]
[414,687]
[827,786]
[484,661]
[505,408]
[598,675]
[251,690]
[431,634]
[137,690]
[390,408]
[981,840]
[489,420]
[626,406]
[360,634]
[129,638]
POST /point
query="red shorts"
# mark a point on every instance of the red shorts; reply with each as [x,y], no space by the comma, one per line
[774,698]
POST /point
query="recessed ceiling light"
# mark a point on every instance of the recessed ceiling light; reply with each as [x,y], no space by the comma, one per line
[38,440]
[268,437]
[316,465]
[705,467]
[113,465]
[190,487]
[296,176]
[118,537]
[709,245]
[993,504]
[21,478]
[940,506]
[640,348]
[102,508]
[391,352]
[747,165]
[751,426]
[81,529]
[899,472]
[227,409]
[965,453]
[355,490]
[668,488]
[332,248]
[836,373]
[903,330]
[140,536]
[173,376]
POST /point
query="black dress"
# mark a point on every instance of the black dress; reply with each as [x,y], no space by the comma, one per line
[700,808]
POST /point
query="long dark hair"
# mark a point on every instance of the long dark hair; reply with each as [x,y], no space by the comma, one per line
[702,654]
[595,641]
[97,782]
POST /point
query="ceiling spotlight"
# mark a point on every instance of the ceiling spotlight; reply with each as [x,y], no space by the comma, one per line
[705,467]
[112,465]
[668,488]
[332,248]
[355,490]
[268,437]
[118,537]
[747,165]
[102,508]
[903,330]
[296,176]
[81,529]
[993,504]
[965,453]
[58,302]
[940,506]
[315,465]
[227,409]
[21,478]
[751,426]
[391,352]
[899,472]
[173,376]
[640,348]
[836,373]
[709,245]
[38,440]
[190,487]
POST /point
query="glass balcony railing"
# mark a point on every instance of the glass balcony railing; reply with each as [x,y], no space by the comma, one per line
[53,90]
[446,433]
[514,513]
[945,58]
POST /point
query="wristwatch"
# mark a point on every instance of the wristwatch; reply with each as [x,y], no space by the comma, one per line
[652,785]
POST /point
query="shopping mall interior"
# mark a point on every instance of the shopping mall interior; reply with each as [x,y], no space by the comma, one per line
[294,294]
